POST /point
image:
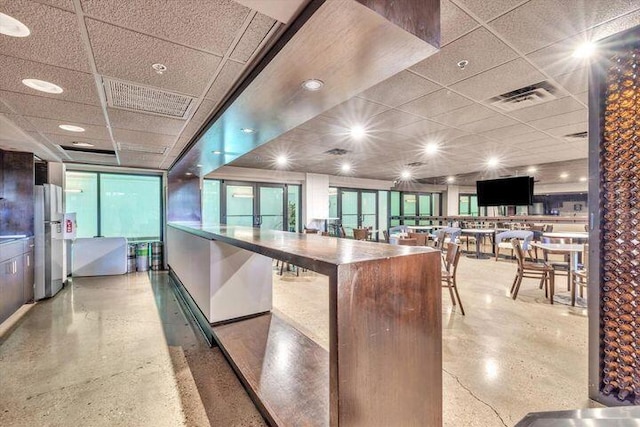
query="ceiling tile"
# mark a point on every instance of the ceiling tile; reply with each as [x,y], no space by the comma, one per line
[496,121]
[128,55]
[480,48]
[224,81]
[300,135]
[143,138]
[61,4]
[51,126]
[67,140]
[326,125]
[453,22]
[252,37]
[539,23]
[505,78]
[46,150]
[355,111]
[144,122]
[568,129]
[78,86]
[527,139]
[435,103]
[206,25]
[48,108]
[55,38]
[487,10]
[391,120]
[422,128]
[507,132]
[583,97]
[203,112]
[471,113]
[19,121]
[578,116]
[547,109]
[576,81]
[399,89]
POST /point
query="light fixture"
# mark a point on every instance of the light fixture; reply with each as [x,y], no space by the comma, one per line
[82,144]
[243,195]
[585,50]
[159,68]
[247,130]
[405,174]
[462,64]
[217,152]
[73,190]
[451,179]
[312,85]
[282,160]
[346,167]
[431,148]
[532,169]
[198,166]
[10,26]
[42,86]
[493,162]
[71,128]
[564,175]
[583,178]
[358,132]
[188,174]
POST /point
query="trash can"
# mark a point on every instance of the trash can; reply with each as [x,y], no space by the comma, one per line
[131,258]
[142,257]
[156,256]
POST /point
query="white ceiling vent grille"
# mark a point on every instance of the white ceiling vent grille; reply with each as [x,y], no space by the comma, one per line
[525,97]
[143,99]
[139,148]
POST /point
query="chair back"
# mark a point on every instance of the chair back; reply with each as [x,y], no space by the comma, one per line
[360,233]
[548,228]
[450,256]
[398,229]
[421,238]
[517,249]
[310,231]
[524,235]
[385,233]
[407,242]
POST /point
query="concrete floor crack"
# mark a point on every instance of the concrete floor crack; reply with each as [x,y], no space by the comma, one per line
[475,397]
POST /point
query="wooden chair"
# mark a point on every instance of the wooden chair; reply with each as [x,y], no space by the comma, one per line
[360,233]
[385,233]
[421,238]
[532,270]
[503,241]
[408,242]
[560,268]
[580,276]
[449,269]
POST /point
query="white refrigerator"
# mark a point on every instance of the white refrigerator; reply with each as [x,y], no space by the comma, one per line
[49,240]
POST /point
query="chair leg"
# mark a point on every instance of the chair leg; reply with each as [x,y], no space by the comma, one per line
[455,288]
[453,299]
[497,253]
[515,291]
[513,285]
[551,285]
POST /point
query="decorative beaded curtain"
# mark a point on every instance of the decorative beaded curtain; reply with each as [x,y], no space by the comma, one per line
[620,228]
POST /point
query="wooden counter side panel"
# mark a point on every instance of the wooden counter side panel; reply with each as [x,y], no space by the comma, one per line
[389,338]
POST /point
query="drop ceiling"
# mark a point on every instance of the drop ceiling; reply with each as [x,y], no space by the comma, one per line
[208,46]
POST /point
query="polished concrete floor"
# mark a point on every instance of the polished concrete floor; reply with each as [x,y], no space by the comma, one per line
[120,351]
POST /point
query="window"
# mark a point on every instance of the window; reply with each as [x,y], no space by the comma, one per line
[211,202]
[468,205]
[293,207]
[115,205]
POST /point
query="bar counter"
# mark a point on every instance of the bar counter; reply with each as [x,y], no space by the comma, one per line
[384,365]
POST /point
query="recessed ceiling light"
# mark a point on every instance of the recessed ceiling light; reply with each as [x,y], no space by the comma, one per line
[198,166]
[405,174]
[358,132]
[585,50]
[82,144]
[282,160]
[42,86]
[159,68]
[431,148]
[71,128]
[346,167]
[462,64]
[532,169]
[451,179]
[217,152]
[583,178]
[564,175]
[312,84]
[493,162]
[247,130]
[10,26]
[188,174]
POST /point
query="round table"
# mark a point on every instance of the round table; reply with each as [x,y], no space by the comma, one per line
[478,232]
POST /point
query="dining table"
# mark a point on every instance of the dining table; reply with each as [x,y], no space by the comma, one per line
[573,236]
[478,233]
[571,249]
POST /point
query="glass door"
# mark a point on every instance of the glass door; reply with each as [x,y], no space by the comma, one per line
[358,209]
[424,207]
[349,213]
[270,209]
[239,205]
[368,210]
[409,208]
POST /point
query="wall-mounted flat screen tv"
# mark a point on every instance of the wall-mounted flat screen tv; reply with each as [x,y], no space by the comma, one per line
[517,191]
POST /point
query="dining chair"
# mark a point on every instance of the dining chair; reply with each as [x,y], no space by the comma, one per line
[341,232]
[503,241]
[532,270]
[449,269]
[421,238]
[468,238]
[407,242]
[360,233]
[385,233]
[560,268]
[447,235]
[580,276]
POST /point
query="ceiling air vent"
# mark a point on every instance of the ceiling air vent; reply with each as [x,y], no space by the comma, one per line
[336,152]
[576,137]
[415,164]
[139,148]
[91,155]
[525,97]
[143,99]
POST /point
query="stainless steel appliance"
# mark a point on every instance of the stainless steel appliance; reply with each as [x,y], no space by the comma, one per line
[49,252]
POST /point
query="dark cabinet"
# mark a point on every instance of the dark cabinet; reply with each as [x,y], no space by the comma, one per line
[16,275]
[28,282]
